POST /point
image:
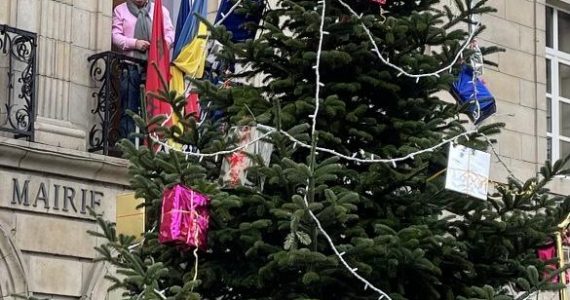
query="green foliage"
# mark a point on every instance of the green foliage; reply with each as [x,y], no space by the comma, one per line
[403,231]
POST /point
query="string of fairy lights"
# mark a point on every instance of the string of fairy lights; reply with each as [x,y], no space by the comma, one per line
[360,157]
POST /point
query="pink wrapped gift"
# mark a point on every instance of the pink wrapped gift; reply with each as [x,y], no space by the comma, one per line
[185,217]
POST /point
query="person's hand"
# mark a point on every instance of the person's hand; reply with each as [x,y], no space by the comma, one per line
[142,45]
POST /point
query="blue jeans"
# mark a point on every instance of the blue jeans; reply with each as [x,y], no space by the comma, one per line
[130,94]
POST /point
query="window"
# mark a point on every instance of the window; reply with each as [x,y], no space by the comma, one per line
[558,82]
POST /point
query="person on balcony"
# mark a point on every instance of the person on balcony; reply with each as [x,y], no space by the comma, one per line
[132,25]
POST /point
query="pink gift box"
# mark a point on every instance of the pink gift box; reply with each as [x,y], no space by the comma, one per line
[185,217]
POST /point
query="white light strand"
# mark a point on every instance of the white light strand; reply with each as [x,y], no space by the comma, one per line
[230,11]
[352,270]
[160,294]
[375,160]
[317,71]
[399,69]
[326,150]
[201,155]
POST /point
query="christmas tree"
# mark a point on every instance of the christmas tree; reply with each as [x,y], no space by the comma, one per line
[394,227]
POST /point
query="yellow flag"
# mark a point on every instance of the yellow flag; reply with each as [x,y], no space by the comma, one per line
[190,62]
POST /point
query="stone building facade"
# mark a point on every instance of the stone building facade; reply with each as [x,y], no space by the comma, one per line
[49,177]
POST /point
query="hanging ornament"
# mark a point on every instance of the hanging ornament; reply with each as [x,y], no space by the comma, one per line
[476,59]
[185,218]
[471,90]
[468,171]
[234,166]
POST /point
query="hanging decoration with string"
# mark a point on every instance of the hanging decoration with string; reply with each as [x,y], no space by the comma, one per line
[185,218]
[235,165]
[470,90]
[468,171]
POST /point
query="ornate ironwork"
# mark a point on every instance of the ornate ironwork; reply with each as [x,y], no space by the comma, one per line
[18,101]
[107,70]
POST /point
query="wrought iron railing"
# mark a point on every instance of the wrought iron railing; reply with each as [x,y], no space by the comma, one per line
[108,69]
[17,82]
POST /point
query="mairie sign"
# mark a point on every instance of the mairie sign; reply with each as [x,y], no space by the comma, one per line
[51,195]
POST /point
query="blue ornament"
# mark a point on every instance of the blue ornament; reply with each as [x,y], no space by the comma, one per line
[480,101]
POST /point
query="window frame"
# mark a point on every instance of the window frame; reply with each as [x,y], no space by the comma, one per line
[554,58]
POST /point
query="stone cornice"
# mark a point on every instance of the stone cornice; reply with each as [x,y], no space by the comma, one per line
[64,162]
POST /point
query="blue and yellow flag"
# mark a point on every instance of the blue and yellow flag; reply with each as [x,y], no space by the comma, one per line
[189,54]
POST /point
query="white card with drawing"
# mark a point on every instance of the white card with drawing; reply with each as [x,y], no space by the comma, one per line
[468,171]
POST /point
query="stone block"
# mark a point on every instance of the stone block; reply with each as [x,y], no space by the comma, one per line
[59,133]
[528,93]
[80,30]
[94,31]
[501,32]
[8,221]
[104,25]
[503,86]
[498,173]
[509,144]
[53,235]
[500,6]
[527,39]
[520,11]
[105,7]
[540,15]
[80,100]
[540,70]
[28,15]
[517,63]
[80,69]
[529,148]
[560,185]
[542,155]
[523,119]
[11,156]
[90,6]
[523,170]
[540,43]
[5,11]
[541,96]
[52,275]
[541,123]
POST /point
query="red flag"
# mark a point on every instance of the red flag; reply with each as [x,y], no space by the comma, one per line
[158,54]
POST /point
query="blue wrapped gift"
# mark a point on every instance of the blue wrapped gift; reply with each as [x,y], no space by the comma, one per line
[463,90]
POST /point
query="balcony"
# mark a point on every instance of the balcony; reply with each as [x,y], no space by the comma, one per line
[107,70]
[17,82]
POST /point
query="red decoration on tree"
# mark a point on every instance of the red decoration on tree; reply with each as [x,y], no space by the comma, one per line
[185,217]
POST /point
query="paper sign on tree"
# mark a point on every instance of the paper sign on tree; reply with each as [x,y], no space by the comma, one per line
[468,171]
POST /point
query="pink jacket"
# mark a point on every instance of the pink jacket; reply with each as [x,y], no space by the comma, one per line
[124,27]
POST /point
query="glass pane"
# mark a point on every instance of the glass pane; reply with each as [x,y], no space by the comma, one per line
[548,76]
[549,149]
[564,80]
[564,118]
[563,31]
[548,115]
[549,27]
[564,149]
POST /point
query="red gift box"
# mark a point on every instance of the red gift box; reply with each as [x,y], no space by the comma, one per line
[185,217]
